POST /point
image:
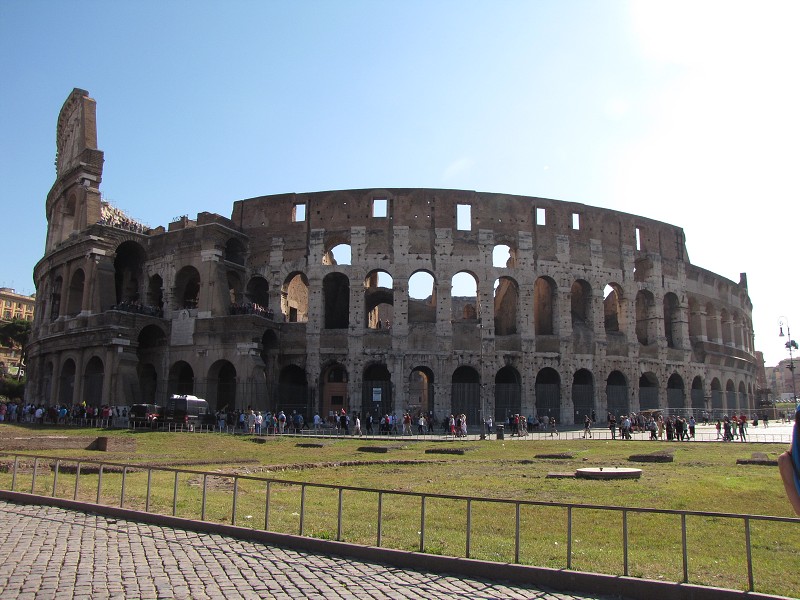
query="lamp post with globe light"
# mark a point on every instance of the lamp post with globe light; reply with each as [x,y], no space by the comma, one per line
[790,345]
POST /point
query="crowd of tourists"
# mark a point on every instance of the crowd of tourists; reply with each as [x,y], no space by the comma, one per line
[82,414]
[114,217]
[251,308]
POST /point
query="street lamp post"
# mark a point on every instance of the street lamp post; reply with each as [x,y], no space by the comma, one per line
[790,345]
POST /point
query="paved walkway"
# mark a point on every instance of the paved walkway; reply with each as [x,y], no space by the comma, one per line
[48,552]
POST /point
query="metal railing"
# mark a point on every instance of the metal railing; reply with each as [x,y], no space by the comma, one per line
[183,483]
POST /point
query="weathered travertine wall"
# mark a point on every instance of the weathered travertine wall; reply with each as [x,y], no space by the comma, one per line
[386,300]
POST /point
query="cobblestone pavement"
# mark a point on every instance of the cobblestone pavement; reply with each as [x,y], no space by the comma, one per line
[48,552]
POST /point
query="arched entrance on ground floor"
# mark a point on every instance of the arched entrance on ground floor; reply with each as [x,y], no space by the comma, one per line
[181,379]
[293,394]
[66,383]
[93,376]
[676,395]
[582,395]
[465,394]
[617,394]
[698,399]
[420,391]
[221,393]
[334,391]
[648,391]
[507,394]
[548,394]
[376,395]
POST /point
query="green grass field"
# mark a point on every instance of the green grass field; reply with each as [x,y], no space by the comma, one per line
[703,477]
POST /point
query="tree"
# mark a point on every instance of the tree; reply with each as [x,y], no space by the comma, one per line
[15,333]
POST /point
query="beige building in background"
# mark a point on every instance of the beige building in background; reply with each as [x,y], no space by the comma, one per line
[13,306]
[379,301]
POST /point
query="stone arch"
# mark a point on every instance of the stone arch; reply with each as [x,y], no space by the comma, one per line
[582,395]
[420,390]
[548,394]
[376,390]
[697,395]
[338,254]
[55,298]
[743,403]
[617,394]
[334,390]
[712,323]
[66,383]
[507,393]
[648,391]
[725,326]
[294,298]
[581,303]
[464,296]
[645,318]
[731,405]
[465,393]
[336,298]
[506,302]
[257,292]
[128,271]
[612,308]
[75,293]
[187,288]
[421,297]
[717,399]
[695,320]
[93,376]
[378,299]
[155,294]
[221,389]
[672,320]
[150,351]
[235,288]
[180,379]
[676,393]
[544,306]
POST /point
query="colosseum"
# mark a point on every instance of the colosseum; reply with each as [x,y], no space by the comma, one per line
[379,301]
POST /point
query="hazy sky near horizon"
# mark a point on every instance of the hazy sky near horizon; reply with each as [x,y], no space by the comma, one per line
[687,112]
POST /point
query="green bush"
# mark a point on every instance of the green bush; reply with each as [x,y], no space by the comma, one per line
[12,388]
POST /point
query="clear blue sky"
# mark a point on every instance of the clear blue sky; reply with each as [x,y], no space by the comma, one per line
[685,112]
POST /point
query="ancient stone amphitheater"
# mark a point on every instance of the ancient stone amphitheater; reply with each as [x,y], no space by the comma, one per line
[379,301]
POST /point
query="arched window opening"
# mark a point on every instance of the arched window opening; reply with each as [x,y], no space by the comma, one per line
[712,323]
[75,296]
[581,303]
[506,300]
[645,318]
[612,308]
[336,295]
[55,298]
[379,300]
[544,307]
[672,320]
[421,298]
[341,254]
[464,297]
[128,272]
[187,288]
[294,298]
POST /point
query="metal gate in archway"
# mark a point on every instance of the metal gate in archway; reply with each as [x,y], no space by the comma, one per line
[507,401]
[648,398]
[582,401]
[548,400]
[376,398]
[465,398]
[617,396]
